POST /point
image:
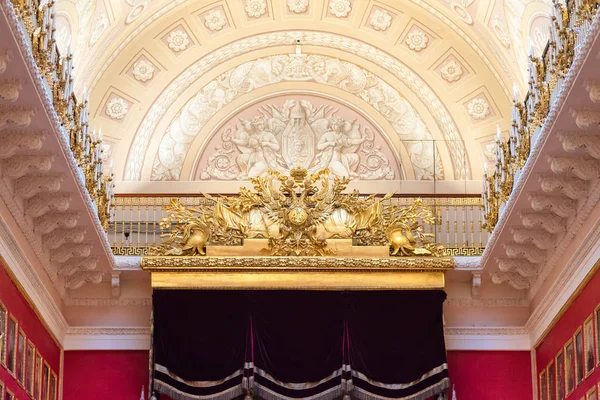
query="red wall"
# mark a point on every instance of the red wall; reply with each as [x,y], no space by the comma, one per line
[28,321]
[491,375]
[101,375]
[581,308]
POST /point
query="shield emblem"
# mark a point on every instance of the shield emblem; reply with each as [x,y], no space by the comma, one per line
[298,140]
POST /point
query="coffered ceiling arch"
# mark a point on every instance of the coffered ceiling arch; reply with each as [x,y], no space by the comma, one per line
[438,35]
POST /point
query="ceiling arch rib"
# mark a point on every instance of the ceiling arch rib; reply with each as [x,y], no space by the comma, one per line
[395,67]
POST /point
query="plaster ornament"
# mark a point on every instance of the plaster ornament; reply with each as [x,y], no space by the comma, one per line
[478,109]
[70,250]
[49,222]
[513,278]
[215,20]
[380,20]
[298,134]
[256,8]
[297,6]
[135,13]
[251,75]
[462,12]
[43,203]
[116,108]
[5,57]
[143,71]
[490,152]
[593,88]
[451,71]
[570,186]
[178,40]
[340,8]
[456,148]
[586,168]
[573,141]
[416,40]
[28,186]
[20,140]
[550,222]
[99,28]
[522,267]
[562,206]
[16,116]
[520,251]
[81,278]
[19,165]
[500,32]
[62,236]
[586,118]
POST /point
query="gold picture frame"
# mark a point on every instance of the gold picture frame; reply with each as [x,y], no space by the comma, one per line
[589,343]
[543,385]
[30,368]
[1,390]
[37,382]
[569,367]
[21,357]
[3,334]
[11,345]
[559,362]
[53,386]
[9,395]
[578,356]
[551,380]
[591,394]
[45,381]
[597,323]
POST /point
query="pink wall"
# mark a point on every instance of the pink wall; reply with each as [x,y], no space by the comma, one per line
[491,375]
[101,375]
[581,308]
[35,331]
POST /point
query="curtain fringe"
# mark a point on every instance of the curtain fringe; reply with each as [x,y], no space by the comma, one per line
[422,395]
[175,394]
[268,394]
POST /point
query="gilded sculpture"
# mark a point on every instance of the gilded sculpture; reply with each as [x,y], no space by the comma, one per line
[298,215]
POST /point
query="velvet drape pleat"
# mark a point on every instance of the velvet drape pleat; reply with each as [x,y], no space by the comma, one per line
[299,344]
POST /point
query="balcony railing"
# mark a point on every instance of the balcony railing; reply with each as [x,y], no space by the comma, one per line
[38,19]
[135,226]
[571,22]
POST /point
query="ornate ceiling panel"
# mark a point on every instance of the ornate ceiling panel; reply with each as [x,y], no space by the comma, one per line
[433,78]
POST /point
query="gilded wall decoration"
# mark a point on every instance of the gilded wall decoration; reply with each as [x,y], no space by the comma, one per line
[299,133]
[256,8]
[298,213]
[340,8]
[249,76]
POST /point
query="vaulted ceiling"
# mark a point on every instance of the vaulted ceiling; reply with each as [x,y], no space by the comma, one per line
[426,81]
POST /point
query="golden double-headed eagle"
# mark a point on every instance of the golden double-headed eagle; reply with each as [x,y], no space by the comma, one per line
[297,214]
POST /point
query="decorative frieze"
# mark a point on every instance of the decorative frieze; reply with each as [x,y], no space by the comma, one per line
[515,250]
[550,222]
[569,186]
[562,206]
[586,168]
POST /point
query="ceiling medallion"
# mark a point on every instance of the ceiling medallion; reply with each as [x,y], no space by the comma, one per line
[340,8]
[380,20]
[478,109]
[143,71]
[417,40]
[178,40]
[297,6]
[215,20]
[256,8]
[451,71]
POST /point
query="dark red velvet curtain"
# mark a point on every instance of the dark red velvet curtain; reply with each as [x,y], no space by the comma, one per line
[299,344]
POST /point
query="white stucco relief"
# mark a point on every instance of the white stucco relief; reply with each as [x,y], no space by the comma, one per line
[281,134]
[438,111]
[249,76]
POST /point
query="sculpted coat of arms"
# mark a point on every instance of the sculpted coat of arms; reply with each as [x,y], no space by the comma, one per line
[298,134]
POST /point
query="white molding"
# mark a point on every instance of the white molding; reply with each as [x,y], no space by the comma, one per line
[487,339]
[574,273]
[28,278]
[107,338]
